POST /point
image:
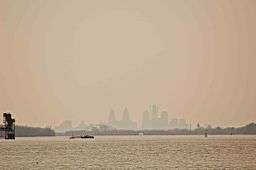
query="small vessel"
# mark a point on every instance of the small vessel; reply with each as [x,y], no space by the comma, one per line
[87,137]
[72,137]
[82,137]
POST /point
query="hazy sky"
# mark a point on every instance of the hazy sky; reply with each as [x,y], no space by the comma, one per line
[62,59]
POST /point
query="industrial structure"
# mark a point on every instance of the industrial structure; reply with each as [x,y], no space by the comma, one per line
[7,129]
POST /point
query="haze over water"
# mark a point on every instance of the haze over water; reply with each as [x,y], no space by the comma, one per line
[75,60]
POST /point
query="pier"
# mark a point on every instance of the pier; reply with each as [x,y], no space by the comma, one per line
[7,129]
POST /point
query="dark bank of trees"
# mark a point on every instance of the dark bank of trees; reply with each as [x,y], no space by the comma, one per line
[25,131]
[249,129]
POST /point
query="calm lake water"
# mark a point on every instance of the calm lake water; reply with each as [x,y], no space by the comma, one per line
[130,152]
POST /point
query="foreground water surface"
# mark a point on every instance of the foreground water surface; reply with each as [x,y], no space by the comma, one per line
[130,152]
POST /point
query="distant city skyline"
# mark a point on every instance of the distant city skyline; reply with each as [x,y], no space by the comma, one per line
[153,118]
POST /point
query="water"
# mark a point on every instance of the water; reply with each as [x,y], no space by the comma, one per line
[130,152]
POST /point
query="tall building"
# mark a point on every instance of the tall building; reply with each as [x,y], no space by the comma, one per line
[126,116]
[164,119]
[146,120]
[126,123]
[153,108]
[111,118]
[153,119]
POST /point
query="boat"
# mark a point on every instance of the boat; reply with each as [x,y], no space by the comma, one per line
[87,137]
[82,137]
[72,137]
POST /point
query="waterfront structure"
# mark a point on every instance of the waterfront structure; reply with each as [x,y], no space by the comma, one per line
[7,130]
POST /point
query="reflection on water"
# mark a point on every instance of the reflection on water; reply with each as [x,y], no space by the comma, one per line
[130,152]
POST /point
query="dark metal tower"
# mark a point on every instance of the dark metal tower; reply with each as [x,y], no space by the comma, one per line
[8,126]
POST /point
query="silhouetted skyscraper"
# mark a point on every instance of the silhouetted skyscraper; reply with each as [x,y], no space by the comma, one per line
[125,123]
[153,108]
[146,120]
[126,116]
[111,118]
[164,119]
[153,119]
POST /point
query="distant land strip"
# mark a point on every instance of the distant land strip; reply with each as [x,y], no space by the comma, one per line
[26,131]
[249,129]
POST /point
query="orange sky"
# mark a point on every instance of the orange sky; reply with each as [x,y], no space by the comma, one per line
[76,60]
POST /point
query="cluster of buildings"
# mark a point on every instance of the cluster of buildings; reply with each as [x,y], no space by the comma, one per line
[152,119]
[155,119]
[67,125]
[158,120]
[124,123]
